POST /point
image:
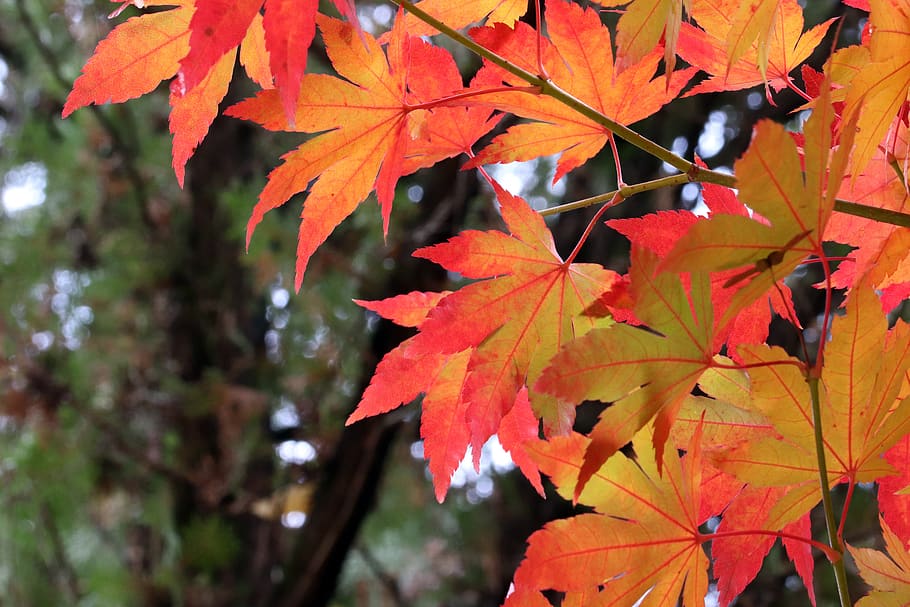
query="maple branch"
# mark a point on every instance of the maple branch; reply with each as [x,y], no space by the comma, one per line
[875,213]
[840,572]
[550,89]
[625,191]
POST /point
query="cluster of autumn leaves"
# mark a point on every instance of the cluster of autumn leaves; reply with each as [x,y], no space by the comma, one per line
[676,345]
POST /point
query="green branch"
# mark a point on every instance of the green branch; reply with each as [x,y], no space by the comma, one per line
[875,213]
[624,192]
[840,572]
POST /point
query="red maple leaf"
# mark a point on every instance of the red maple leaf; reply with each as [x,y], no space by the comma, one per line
[507,343]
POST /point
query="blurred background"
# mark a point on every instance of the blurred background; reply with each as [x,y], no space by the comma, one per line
[172,414]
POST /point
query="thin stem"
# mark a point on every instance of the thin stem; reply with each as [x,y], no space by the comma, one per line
[617,198]
[541,69]
[449,100]
[831,554]
[619,180]
[792,86]
[840,572]
[626,191]
[552,90]
[843,513]
[739,367]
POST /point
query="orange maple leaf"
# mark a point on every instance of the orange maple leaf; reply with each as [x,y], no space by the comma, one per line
[643,536]
[368,118]
[134,58]
[508,341]
[881,248]
[725,28]
[579,59]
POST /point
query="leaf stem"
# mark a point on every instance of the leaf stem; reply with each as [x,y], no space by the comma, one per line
[550,89]
[840,572]
[450,100]
[832,555]
[617,198]
[626,191]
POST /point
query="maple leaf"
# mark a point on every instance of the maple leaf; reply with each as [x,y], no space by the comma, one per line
[366,119]
[738,554]
[134,58]
[893,499]
[881,87]
[254,56]
[643,372]
[289,29]
[749,527]
[193,113]
[880,247]
[217,26]
[643,534]
[578,58]
[641,27]
[789,192]
[888,577]
[727,25]
[865,368]
[507,342]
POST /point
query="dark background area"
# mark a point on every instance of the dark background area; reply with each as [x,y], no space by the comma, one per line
[172,414]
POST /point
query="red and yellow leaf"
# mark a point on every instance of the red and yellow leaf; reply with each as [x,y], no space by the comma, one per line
[643,372]
[513,341]
[507,342]
[644,533]
[366,120]
[789,192]
[134,58]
